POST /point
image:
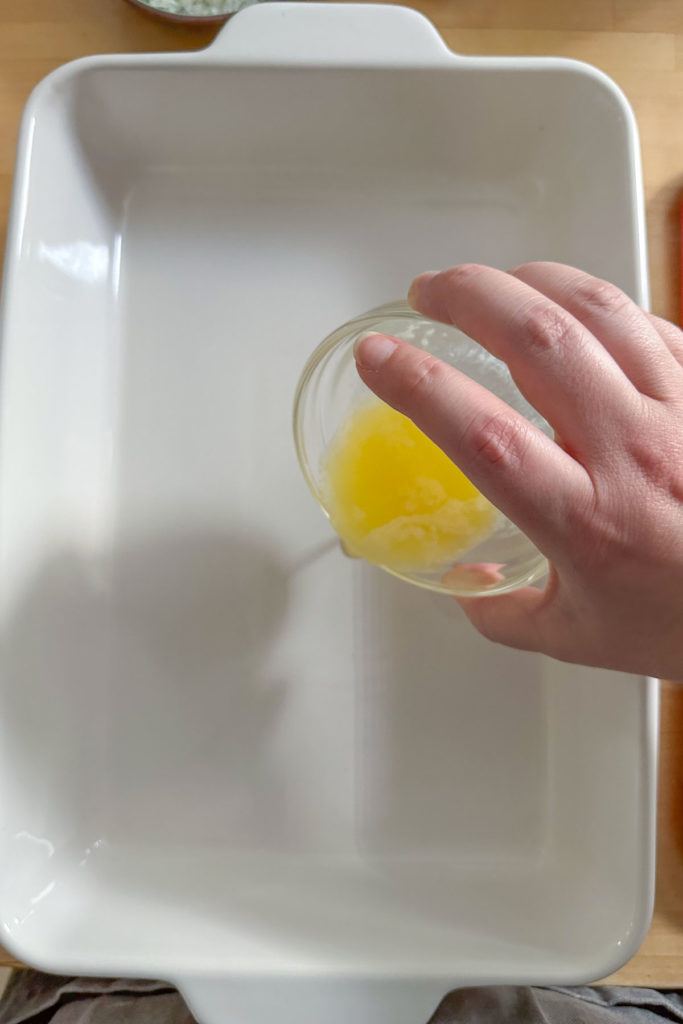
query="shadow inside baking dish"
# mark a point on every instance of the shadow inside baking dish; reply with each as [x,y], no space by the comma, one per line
[185,604]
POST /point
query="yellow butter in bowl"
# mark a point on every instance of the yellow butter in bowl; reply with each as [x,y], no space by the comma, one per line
[395,498]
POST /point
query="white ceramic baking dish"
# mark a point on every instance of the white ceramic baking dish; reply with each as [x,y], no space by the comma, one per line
[229,756]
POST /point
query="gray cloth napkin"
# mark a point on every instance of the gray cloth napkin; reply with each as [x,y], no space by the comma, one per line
[41,998]
[34,998]
[510,1004]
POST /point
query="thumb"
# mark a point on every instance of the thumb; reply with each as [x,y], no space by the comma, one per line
[516,620]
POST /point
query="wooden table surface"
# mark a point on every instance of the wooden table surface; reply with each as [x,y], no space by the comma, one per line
[640,44]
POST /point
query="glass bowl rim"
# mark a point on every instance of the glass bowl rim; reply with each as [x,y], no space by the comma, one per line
[398,309]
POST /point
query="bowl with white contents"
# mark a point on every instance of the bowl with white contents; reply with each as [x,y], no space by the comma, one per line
[394,498]
[193,12]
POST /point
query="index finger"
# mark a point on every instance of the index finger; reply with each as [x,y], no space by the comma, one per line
[522,471]
[560,367]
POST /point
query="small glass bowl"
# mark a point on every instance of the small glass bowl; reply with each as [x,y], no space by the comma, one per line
[187,18]
[330,389]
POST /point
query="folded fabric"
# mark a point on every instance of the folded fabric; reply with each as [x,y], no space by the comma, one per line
[516,1004]
[35,998]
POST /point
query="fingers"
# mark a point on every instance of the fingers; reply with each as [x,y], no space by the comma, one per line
[621,327]
[523,472]
[559,366]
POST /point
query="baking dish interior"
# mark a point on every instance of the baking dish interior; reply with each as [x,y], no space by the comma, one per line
[225,746]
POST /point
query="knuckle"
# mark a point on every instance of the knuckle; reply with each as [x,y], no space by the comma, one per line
[601,297]
[646,447]
[449,286]
[418,382]
[598,535]
[611,534]
[523,268]
[660,465]
[461,275]
[499,440]
[600,540]
[625,521]
[548,328]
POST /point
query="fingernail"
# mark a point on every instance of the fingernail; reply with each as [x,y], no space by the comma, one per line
[418,286]
[371,350]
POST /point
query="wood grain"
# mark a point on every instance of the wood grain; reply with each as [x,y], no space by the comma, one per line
[659,962]
[640,44]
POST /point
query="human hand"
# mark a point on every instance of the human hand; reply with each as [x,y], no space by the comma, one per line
[604,500]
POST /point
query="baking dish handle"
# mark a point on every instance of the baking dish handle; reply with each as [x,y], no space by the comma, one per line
[314,1000]
[329,34]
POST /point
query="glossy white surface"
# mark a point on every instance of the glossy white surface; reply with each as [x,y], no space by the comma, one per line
[228,755]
